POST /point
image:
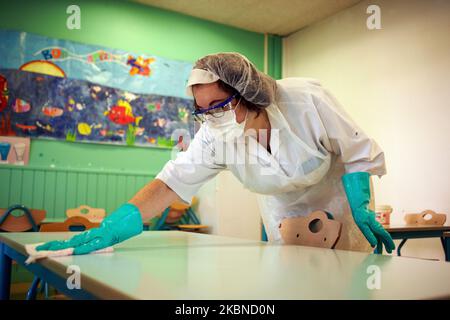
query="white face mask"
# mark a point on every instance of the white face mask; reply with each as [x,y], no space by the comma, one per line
[226,127]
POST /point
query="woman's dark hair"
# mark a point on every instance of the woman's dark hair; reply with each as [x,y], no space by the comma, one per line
[230,90]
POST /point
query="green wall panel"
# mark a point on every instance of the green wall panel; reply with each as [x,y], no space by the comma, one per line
[56,190]
[5,185]
[274,56]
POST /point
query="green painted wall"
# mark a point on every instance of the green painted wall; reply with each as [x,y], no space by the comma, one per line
[274,56]
[132,26]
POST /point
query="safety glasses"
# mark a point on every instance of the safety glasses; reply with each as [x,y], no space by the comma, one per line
[216,111]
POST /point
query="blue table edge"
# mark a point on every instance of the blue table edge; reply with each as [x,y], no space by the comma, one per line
[8,253]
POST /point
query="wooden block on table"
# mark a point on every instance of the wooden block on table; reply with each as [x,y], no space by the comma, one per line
[427,217]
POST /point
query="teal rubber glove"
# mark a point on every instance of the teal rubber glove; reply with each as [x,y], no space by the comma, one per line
[357,188]
[122,224]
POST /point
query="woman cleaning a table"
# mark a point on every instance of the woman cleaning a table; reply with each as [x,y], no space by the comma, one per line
[290,142]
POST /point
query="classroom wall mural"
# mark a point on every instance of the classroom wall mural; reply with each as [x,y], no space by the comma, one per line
[58,89]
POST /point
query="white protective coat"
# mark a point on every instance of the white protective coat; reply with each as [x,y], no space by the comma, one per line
[313,144]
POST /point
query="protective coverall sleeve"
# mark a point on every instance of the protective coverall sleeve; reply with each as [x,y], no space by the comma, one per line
[191,168]
[357,151]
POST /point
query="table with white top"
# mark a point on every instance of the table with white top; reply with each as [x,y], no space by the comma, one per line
[183,265]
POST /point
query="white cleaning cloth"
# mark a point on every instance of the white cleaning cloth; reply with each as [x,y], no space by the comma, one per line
[34,255]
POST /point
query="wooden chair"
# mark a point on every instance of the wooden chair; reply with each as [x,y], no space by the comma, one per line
[92,214]
[29,219]
[180,216]
[317,229]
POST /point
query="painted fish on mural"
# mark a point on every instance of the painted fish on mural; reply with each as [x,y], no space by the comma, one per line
[151,107]
[160,122]
[94,91]
[45,127]
[25,127]
[183,114]
[73,105]
[120,133]
[122,114]
[84,129]
[139,131]
[130,96]
[52,112]
[21,106]
[80,106]
[70,104]
[98,92]
[106,133]
[151,140]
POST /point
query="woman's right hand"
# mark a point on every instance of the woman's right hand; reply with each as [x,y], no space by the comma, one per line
[122,224]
